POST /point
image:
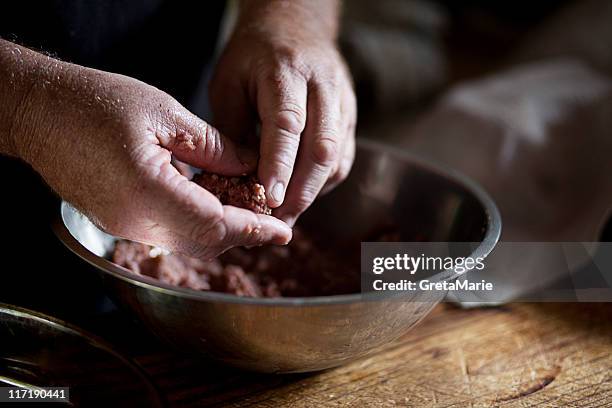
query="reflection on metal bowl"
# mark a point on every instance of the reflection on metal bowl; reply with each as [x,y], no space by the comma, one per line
[40,351]
[386,186]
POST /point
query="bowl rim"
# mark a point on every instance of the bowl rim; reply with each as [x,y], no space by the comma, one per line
[91,339]
[485,246]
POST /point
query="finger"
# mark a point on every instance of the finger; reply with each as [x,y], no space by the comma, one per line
[199,144]
[180,204]
[178,208]
[237,227]
[192,221]
[344,165]
[319,151]
[281,102]
[347,157]
[240,227]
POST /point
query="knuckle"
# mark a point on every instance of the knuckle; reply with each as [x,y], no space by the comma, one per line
[352,126]
[283,162]
[287,53]
[288,59]
[325,151]
[343,172]
[219,232]
[282,70]
[290,118]
[210,141]
[331,81]
[333,180]
[187,133]
[216,214]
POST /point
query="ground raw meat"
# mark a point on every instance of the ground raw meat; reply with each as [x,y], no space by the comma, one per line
[299,269]
[305,267]
[243,192]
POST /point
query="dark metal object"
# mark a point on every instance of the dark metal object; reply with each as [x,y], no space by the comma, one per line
[40,351]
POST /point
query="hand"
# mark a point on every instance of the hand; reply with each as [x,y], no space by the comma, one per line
[294,82]
[104,142]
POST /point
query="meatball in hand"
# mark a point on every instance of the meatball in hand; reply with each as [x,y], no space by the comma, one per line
[104,142]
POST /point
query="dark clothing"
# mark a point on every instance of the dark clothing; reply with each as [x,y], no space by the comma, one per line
[167,44]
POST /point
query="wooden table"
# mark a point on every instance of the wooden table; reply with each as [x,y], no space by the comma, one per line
[520,355]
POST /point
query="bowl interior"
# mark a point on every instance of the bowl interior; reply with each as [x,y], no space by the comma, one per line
[392,191]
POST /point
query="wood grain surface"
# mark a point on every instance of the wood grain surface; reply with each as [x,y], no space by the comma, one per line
[520,355]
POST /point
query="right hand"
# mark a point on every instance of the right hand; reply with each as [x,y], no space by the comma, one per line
[104,142]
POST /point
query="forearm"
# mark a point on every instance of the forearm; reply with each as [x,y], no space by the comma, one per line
[318,19]
[45,102]
[22,72]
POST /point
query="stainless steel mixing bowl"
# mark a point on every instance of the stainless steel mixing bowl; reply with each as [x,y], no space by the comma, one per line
[308,334]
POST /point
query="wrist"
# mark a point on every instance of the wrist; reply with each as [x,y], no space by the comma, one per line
[310,20]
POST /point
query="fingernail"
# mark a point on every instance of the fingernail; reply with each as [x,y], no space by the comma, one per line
[278,192]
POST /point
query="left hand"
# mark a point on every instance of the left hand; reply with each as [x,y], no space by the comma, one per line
[294,82]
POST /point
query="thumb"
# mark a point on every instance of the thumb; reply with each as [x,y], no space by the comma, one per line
[199,144]
[191,220]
